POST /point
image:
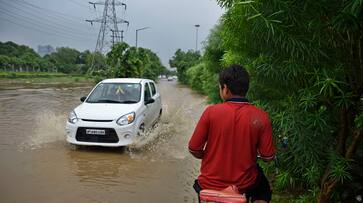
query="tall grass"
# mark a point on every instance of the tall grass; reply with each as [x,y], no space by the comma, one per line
[30,75]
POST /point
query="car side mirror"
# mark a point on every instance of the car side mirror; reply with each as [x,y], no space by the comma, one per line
[150,101]
[83,99]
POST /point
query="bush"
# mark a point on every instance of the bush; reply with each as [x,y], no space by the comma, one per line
[194,76]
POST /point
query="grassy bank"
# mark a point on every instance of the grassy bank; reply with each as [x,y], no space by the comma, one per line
[13,75]
[29,79]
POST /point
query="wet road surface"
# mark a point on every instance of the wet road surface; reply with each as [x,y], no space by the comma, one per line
[37,165]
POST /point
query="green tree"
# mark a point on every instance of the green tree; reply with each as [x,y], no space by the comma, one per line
[123,60]
[126,61]
[203,77]
[96,59]
[4,62]
[182,61]
[19,57]
[306,64]
[12,49]
[65,59]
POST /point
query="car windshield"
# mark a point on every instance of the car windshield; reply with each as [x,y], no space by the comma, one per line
[125,93]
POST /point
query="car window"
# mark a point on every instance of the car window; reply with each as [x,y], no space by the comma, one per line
[147,92]
[116,93]
[101,89]
[153,89]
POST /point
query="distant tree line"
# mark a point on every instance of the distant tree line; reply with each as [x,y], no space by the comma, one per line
[20,58]
[122,61]
[305,59]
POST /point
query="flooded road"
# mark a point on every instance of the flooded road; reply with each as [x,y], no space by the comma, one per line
[37,165]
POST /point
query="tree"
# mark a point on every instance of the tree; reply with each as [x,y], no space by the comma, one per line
[96,59]
[65,59]
[12,49]
[4,62]
[306,63]
[182,61]
[126,61]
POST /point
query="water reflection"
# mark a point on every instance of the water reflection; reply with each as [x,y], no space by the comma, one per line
[99,165]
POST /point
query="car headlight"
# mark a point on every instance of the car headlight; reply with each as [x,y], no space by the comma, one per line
[72,118]
[126,119]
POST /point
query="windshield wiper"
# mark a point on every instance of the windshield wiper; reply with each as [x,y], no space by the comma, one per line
[128,102]
[107,101]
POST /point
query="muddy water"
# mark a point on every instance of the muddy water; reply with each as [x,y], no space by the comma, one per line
[37,165]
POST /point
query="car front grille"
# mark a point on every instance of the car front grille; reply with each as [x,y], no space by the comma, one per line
[93,120]
[109,137]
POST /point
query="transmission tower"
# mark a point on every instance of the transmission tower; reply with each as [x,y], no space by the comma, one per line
[109,22]
[116,37]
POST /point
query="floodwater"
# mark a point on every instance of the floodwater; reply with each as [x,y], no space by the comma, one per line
[37,165]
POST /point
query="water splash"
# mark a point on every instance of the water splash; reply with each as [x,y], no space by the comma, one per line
[165,140]
[48,128]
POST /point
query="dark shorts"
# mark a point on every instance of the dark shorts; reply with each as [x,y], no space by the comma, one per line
[260,190]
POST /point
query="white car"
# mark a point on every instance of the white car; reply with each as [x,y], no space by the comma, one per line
[114,113]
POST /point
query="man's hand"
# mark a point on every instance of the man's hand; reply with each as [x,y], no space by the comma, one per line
[199,154]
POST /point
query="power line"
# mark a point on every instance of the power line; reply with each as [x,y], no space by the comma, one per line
[56,30]
[78,4]
[52,23]
[38,30]
[54,13]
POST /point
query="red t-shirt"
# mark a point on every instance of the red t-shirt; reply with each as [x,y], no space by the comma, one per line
[231,134]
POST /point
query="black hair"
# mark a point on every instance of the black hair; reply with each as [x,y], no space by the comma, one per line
[236,78]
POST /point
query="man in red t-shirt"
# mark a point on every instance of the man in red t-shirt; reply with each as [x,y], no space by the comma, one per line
[229,137]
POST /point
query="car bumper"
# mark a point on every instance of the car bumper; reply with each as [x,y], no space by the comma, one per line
[125,134]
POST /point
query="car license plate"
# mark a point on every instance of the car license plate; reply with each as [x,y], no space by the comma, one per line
[95,132]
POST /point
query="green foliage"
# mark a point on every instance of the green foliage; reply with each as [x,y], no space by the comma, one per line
[201,79]
[284,180]
[210,86]
[182,61]
[96,59]
[305,59]
[340,168]
[214,50]
[126,61]
[121,61]
[194,75]
[309,196]
[30,75]
[65,59]
[12,49]
[201,73]
[20,58]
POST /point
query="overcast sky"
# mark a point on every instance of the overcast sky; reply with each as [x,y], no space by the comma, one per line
[62,23]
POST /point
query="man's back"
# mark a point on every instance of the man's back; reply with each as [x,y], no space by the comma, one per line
[234,132]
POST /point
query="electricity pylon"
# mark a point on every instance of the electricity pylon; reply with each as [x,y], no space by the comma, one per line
[109,22]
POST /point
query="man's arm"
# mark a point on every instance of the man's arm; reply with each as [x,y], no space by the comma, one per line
[199,154]
[266,149]
[199,137]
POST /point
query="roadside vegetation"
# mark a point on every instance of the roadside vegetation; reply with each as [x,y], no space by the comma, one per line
[127,61]
[30,75]
[20,63]
[306,63]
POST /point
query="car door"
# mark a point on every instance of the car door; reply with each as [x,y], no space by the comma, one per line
[148,110]
[156,106]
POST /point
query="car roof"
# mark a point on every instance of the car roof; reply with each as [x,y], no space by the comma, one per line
[125,80]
